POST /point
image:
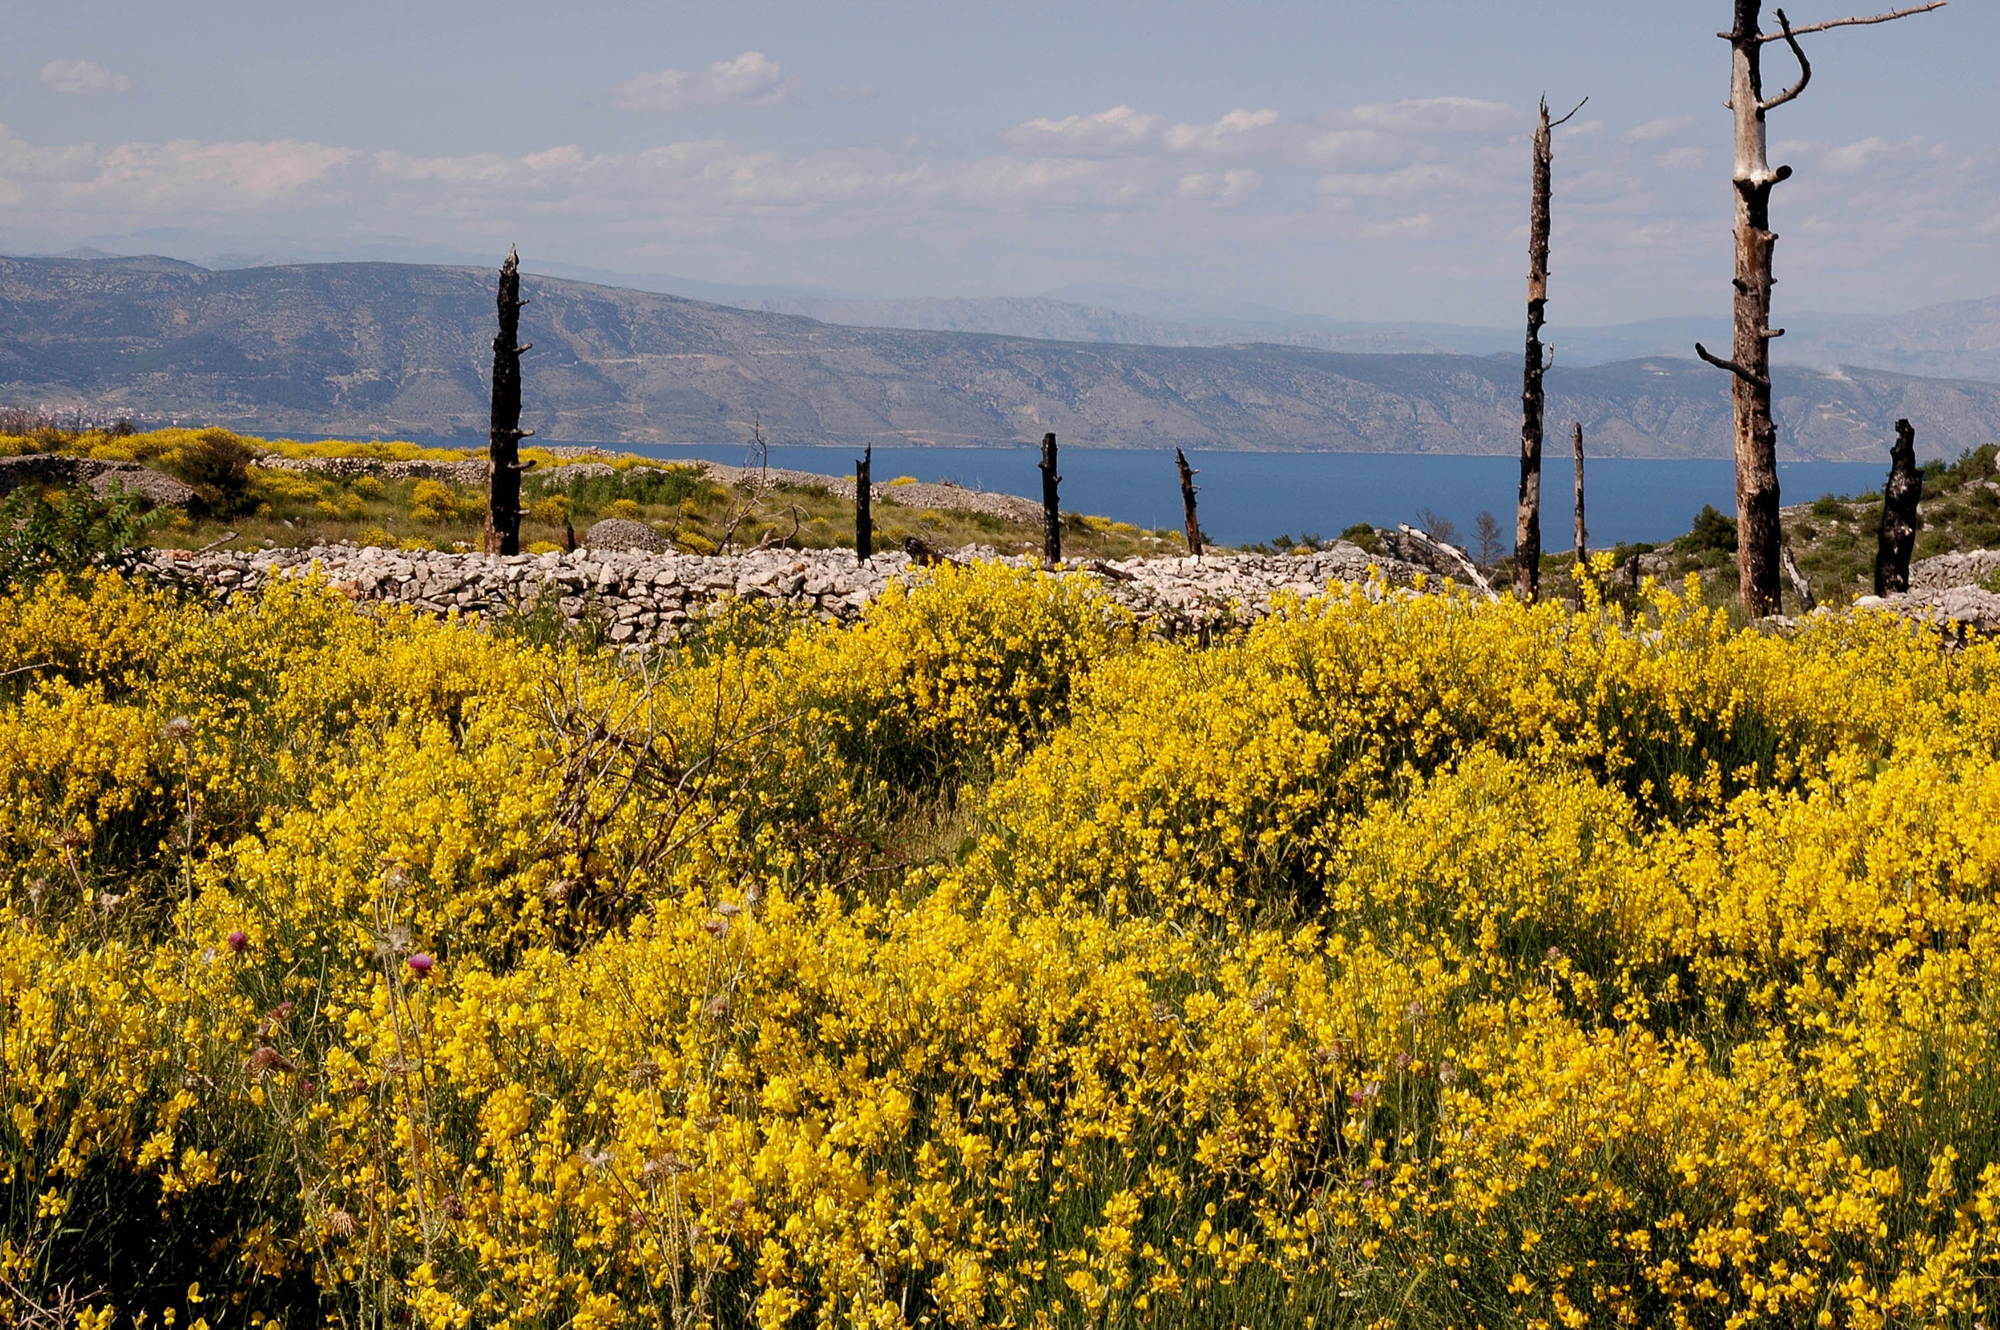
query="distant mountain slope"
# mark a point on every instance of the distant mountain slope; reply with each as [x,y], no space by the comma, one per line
[1961,339]
[1046,319]
[1106,312]
[395,349]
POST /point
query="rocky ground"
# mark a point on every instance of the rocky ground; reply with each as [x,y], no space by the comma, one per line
[1959,588]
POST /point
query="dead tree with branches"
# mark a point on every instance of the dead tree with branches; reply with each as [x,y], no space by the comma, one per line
[504,434]
[1758,537]
[1492,539]
[1528,519]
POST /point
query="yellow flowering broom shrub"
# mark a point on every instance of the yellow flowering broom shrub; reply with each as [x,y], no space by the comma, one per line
[1396,961]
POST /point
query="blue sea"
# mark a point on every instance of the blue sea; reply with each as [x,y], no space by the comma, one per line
[1251,497]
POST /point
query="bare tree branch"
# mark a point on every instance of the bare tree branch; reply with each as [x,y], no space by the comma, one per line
[1729,365]
[1805,66]
[1800,587]
[1848,22]
[1454,553]
[1572,111]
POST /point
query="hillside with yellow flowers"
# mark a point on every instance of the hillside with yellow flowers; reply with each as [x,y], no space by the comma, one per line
[1402,960]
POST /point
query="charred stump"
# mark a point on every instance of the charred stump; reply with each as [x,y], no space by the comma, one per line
[504,435]
[1188,491]
[1899,514]
[1581,534]
[864,524]
[1051,515]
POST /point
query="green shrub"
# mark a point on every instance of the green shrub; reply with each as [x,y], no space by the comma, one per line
[1363,535]
[551,510]
[1973,465]
[1711,531]
[668,486]
[1981,463]
[217,464]
[66,532]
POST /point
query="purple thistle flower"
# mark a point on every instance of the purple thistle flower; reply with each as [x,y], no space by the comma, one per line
[238,940]
[422,963]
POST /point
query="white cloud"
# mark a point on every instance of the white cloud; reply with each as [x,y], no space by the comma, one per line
[1123,131]
[1432,115]
[1660,129]
[1398,228]
[1106,133]
[555,159]
[83,76]
[751,79]
[1221,186]
[1239,131]
[1414,203]
[1871,154]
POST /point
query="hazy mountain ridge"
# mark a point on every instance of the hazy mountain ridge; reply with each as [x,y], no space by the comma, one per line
[1045,319]
[396,349]
[1958,340]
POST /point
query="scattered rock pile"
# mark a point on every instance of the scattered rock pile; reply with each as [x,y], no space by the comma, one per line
[471,472]
[1945,590]
[159,489]
[620,533]
[646,595]
[1954,570]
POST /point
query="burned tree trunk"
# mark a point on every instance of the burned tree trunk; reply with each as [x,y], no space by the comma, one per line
[1528,518]
[1051,515]
[1581,545]
[504,435]
[1899,514]
[864,523]
[1758,537]
[1188,490]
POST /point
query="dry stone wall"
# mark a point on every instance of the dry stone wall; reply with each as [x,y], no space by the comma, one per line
[102,476]
[645,596]
[1947,590]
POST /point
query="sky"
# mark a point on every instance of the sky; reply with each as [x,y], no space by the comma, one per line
[1355,161]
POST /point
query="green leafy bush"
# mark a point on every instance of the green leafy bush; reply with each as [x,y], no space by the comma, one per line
[1363,535]
[645,485]
[217,464]
[1712,531]
[66,532]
